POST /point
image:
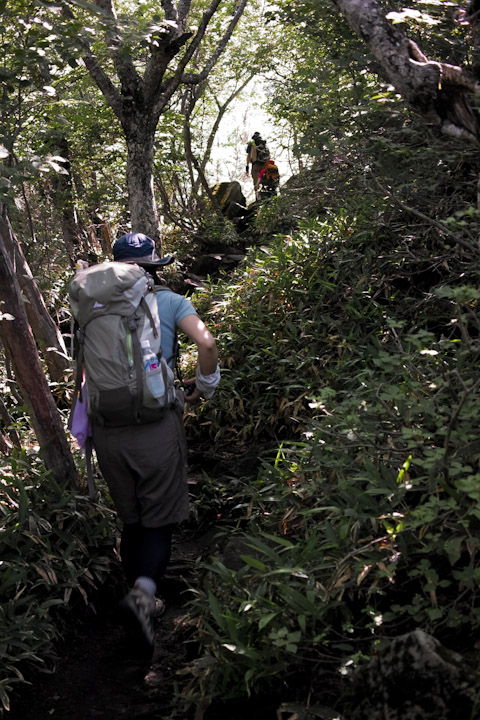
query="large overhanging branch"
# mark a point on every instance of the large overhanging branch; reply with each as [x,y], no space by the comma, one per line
[178,14]
[166,90]
[127,74]
[96,71]
[103,81]
[440,92]
[197,78]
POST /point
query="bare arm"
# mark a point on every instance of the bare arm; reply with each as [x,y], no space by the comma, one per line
[196,330]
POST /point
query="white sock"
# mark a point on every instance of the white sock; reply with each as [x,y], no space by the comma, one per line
[146,584]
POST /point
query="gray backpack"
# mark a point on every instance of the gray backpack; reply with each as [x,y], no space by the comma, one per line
[263,153]
[115,305]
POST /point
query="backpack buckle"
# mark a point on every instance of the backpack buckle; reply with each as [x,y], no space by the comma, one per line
[132,322]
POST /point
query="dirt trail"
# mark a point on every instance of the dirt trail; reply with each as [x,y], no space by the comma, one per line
[99,678]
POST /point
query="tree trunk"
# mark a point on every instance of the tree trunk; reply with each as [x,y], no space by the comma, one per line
[138,102]
[193,162]
[47,334]
[74,236]
[22,351]
[141,197]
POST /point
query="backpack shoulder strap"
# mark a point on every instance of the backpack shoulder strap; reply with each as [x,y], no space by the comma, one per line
[132,325]
[149,315]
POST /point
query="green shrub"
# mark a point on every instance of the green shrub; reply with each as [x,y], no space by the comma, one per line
[55,550]
[274,326]
[341,547]
[366,522]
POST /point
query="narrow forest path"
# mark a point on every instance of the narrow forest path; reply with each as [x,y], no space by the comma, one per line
[97,677]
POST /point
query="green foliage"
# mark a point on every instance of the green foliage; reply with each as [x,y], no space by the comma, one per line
[366,526]
[346,542]
[328,88]
[55,549]
[215,228]
[268,321]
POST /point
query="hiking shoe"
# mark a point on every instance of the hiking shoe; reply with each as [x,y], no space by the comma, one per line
[159,608]
[137,609]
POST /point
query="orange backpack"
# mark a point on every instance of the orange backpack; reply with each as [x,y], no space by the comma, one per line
[271,173]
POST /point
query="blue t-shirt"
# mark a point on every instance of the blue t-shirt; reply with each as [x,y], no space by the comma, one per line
[172,308]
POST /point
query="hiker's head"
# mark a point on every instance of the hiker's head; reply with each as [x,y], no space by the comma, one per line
[140,249]
[256,136]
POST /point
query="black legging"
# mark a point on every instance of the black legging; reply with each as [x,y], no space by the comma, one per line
[145,551]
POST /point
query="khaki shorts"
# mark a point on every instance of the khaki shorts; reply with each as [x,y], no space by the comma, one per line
[144,467]
[256,168]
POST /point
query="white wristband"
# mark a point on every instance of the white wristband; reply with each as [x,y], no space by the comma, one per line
[206,384]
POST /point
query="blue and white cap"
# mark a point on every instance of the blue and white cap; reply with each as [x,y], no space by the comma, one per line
[138,248]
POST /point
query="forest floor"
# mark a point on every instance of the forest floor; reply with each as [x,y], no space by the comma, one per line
[98,677]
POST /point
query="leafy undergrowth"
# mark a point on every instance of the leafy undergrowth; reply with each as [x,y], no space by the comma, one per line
[350,360]
[56,551]
[359,355]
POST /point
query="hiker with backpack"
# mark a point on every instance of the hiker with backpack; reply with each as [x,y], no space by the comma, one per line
[257,154]
[128,322]
[269,179]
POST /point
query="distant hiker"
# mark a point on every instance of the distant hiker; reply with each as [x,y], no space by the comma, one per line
[129,353]
[269,179]
[257,154]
